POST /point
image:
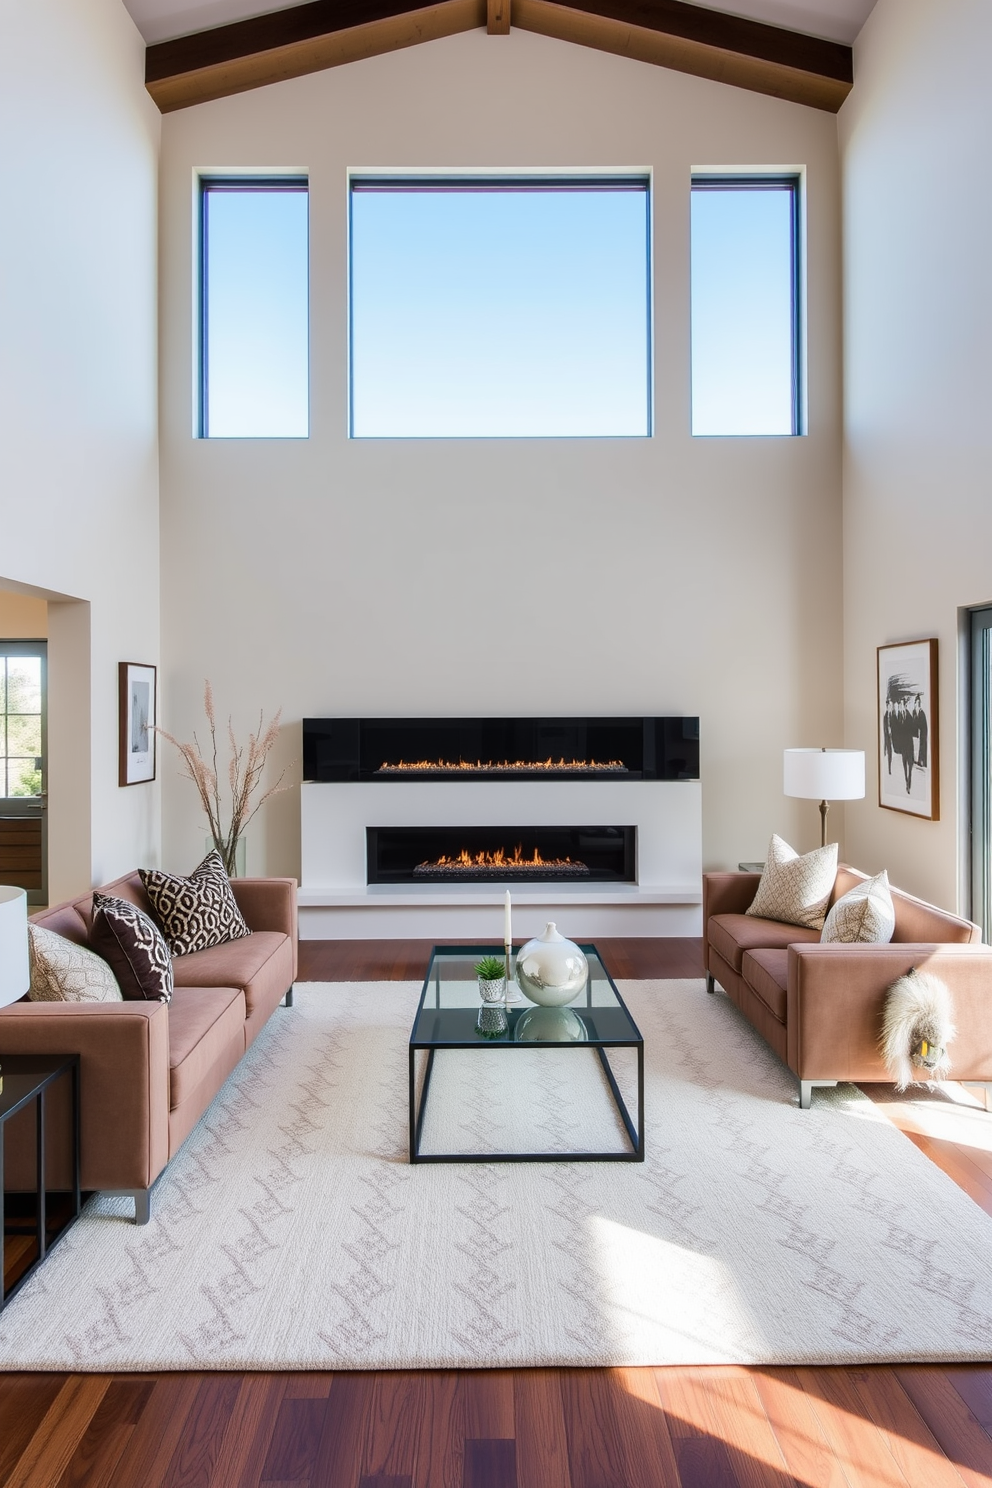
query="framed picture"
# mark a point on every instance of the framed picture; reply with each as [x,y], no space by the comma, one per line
[908,778]
[136,715]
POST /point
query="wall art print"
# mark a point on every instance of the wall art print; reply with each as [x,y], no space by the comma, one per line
[136,715]
[908,778]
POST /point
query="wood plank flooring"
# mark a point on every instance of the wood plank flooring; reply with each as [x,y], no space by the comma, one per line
[872,1427]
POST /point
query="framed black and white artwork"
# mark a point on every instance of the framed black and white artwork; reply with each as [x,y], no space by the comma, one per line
[136,717]
[908,759]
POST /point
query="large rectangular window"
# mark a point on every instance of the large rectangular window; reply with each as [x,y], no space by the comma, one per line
[500,307]
[746,334]
[254,308]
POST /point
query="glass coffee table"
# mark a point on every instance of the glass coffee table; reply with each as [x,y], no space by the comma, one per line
[448,1018]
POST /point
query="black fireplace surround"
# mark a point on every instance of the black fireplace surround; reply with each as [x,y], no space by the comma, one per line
[406,749]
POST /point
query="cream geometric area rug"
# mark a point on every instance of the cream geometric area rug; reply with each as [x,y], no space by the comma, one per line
[291,1232]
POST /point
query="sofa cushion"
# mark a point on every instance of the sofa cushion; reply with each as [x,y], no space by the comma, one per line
[62,971]
[733,934]
[864,915]
[196,912]
[796,889]
[260,964]
[132,944]
[767,974]
[204,1023]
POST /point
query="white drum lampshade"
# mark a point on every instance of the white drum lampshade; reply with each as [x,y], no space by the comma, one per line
[825,775]
[15,972]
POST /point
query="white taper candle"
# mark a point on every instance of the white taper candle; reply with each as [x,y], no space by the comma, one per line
[507,933]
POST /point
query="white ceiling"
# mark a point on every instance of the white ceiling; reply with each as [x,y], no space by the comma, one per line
[837,20]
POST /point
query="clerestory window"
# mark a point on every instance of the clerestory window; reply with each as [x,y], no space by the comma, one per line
[500,306]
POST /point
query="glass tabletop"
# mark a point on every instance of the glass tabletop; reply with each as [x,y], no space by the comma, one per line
[451,1012]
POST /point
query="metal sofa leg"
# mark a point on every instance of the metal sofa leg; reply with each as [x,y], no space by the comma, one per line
[288,999]
[142,1201]
[710,983]
[806,1088]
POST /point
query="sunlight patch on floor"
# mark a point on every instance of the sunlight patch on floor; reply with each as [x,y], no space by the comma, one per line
[689,1296]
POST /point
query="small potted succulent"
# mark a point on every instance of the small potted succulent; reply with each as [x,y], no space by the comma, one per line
[491,971]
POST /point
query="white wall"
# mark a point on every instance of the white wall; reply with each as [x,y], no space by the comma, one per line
[917,169]
[337,577]
[78,441]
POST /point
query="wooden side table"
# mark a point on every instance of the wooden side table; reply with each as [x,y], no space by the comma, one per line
[30,1234]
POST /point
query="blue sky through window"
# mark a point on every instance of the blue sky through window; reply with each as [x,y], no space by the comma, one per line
[256,330]
[742,310]
[500,312]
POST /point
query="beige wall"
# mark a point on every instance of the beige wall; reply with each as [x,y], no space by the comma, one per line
[337,577]
[918,326]
[22,617]
[78,439]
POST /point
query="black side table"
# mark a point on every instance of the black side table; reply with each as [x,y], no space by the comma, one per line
[26,1077]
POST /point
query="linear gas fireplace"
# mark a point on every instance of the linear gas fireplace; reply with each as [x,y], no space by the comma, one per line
[454,855]
[474,749]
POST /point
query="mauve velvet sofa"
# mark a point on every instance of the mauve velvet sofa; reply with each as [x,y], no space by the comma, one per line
[149,1070]
[820,1006]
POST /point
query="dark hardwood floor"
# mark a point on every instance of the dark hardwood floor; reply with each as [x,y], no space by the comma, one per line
[406,960]
[871,1427]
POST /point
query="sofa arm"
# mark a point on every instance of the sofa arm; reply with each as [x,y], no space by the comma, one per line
[269,904]
[728,893]
[836,1000]
[123,1053]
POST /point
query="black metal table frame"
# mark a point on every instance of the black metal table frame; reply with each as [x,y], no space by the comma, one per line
[61,1065]
[635,1134]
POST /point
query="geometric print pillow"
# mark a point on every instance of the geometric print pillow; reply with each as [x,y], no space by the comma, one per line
[62,971]
[796,890]
[196,912]
[865,915]
[131,943]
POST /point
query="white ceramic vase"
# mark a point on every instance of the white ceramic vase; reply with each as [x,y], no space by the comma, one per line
[551,970]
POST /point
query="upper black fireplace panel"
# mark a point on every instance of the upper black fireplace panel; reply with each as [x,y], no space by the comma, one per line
[404,749]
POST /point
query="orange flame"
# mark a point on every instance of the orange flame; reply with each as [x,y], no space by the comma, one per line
[499,767]
[500,859]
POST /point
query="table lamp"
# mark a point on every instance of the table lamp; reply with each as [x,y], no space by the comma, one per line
[825,775]
[15,971]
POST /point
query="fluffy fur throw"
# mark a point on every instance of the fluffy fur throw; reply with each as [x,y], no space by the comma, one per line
[916,1029]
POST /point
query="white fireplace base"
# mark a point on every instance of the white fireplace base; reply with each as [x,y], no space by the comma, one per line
[337,903]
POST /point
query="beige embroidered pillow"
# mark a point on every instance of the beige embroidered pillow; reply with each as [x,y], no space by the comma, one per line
[794,889]
[62,971]
[865,915]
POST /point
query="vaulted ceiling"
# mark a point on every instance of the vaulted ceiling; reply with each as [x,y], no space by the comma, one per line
[794,49]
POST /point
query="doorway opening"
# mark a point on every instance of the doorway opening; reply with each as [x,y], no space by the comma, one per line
[24,766]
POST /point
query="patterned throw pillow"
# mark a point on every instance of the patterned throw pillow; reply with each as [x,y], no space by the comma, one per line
[865,915]
[132,943]
[62,971]
[794,889]
[196,912]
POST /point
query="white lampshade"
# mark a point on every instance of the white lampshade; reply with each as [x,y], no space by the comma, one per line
[15,972]
[825,774]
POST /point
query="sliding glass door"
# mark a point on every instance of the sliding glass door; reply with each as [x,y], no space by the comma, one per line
[981,769]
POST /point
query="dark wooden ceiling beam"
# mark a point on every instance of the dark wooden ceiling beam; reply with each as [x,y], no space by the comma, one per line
[498,17]
[705,43]
[291,43]
[324,33]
